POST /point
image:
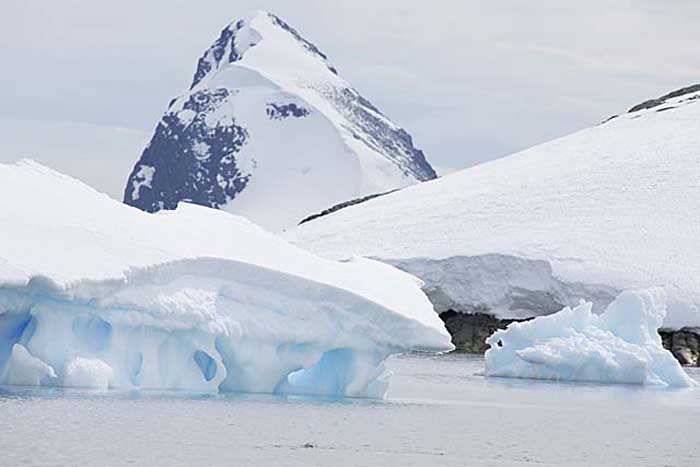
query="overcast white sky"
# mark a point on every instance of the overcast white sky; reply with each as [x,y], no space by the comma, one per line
[470,80]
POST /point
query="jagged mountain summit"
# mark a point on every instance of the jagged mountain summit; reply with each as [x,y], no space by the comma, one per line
[269,130]
[586,216]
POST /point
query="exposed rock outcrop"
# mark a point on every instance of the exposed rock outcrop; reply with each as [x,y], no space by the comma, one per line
[662,100]
[343,205]
[469,331]
[684,344]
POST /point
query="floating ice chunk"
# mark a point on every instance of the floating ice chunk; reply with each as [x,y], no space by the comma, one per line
[24,370]
[620,346]
[87,373]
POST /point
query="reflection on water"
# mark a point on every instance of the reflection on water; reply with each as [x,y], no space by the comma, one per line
[438,411]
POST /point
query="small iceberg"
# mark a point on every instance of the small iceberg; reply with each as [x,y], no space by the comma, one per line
[622,345]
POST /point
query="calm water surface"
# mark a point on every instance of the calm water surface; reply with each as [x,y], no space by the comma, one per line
[438,412]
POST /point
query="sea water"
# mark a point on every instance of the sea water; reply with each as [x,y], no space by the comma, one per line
[439,411]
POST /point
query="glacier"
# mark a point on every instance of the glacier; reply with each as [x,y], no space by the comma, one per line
[621,345]
[97,294]
[610,208]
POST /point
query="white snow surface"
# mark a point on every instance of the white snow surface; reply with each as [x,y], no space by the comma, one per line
[94,293]
[144,177]
[609,208]
[622,345]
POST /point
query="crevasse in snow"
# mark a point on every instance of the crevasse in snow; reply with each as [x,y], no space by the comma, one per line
[620,346]
[94,293]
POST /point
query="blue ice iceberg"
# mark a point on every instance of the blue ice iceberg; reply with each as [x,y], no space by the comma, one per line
[621,345]
[97,294]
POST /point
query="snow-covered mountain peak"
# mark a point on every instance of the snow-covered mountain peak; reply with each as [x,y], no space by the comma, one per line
[281,51]
[269,130]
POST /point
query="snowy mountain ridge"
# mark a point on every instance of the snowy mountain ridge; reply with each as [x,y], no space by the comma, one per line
[676,97]
[609,208]
[269,130]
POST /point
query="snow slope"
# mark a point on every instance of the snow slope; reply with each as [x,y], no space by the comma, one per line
[609,208]
[622,345]
[269,130]
[96,293]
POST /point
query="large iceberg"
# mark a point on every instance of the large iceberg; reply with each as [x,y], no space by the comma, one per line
[620,346]
[97,294]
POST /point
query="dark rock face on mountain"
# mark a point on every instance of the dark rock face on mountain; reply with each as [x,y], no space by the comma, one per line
[374,129]
[211,141]
[217,52]
[280,111]
[203,172]
[662,100]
